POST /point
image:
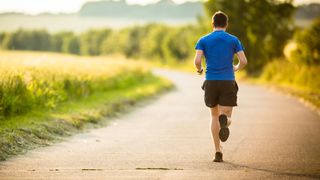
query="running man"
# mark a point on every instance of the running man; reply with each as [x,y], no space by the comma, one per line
[220,87]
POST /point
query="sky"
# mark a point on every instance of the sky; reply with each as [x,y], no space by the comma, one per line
[70,6]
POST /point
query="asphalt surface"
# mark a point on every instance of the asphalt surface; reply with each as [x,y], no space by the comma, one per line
[272,137]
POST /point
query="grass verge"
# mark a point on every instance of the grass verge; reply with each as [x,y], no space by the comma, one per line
[45,97]
[290,78]
[42,128]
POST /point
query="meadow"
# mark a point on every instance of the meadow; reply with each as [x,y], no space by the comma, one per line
[44,96]
[45,81]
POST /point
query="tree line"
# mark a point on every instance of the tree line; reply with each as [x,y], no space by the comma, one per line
[152,41]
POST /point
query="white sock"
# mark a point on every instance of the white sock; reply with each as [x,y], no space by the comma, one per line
[229,121]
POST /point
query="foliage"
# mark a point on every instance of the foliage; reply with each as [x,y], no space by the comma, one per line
[308,45]
[47,96]
[30,81]
[298,74]
[41,127]
[65,42]
[90,41]
[304,82]
[152,41]
[114,42]
[38,40]
[304,77]
[263,26]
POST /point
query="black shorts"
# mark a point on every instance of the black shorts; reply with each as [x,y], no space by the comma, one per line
[222,92]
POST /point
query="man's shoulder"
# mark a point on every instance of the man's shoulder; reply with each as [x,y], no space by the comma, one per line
[225,35]
[231,36]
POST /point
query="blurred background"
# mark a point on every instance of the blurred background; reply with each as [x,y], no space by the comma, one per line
[54,52]
[164,30]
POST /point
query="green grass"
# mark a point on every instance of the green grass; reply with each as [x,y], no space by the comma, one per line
[45,80]
[296,79]
[40,128]
[47,96]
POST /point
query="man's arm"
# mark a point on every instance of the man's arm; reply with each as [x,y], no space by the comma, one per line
[242,61]
[198,60]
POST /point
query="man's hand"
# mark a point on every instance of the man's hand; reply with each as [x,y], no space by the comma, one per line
[197,61]
[235,68]
[200,71]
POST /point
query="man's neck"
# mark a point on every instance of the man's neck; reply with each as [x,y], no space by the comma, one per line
[219,29]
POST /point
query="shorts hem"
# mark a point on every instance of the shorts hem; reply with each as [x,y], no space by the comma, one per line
[233,105]
[212,106]
[209,106]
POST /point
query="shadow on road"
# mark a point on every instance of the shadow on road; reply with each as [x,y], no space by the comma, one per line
[314,176]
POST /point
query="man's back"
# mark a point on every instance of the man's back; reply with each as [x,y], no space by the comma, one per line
[219,48]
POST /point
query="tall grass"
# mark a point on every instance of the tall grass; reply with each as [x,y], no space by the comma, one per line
[45,80]
[297,79]
[287,73]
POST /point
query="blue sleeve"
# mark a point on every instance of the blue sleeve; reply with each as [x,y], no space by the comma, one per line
[238,46]
[199,45]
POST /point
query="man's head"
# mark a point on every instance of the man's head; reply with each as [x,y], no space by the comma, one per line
[220,20]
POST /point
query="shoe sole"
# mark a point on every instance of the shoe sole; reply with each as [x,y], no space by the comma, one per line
[224,130]
[217,160]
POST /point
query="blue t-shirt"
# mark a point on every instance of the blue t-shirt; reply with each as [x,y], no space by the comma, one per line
[219,48]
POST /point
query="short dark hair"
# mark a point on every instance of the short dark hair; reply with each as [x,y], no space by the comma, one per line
[220,19]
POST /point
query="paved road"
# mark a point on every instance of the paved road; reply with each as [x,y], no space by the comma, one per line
[272,137]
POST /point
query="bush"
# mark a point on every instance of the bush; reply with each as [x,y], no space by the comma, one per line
[38,40]
[292,74]
[66,42]
[90,41]
[308,45]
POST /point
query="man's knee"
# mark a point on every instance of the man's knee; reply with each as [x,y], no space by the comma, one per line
[226,110]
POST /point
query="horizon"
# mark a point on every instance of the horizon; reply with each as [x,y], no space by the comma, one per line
[35,7]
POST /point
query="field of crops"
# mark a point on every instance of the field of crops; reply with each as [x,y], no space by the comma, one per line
[47,96]
[45,80]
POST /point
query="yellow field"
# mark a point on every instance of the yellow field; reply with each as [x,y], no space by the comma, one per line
[31,79]
[62,63]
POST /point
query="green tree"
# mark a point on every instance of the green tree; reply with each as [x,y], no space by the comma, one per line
[38,40]
[133,47]
[57,40]
[91,41]
[308,45]
[2,35]
[182,42]
[153,41]
[71,45]
[114,43]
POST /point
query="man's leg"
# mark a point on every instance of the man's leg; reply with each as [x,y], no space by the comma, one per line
[226,110]
[215,127]
[224,117]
